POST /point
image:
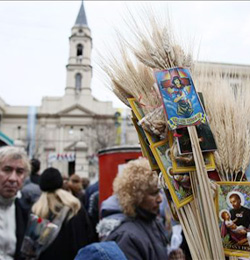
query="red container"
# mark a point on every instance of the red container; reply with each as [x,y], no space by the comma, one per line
[110,161]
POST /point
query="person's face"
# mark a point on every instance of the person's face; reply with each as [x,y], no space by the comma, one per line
[75,185]
[177,83]
[226,216]
[151,201]
[235,202]
[12,174]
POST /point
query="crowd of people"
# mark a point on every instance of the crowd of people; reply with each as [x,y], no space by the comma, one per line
[46,216]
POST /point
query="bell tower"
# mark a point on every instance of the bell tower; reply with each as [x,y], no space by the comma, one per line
[79,69]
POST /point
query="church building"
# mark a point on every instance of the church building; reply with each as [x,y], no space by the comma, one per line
[66,132]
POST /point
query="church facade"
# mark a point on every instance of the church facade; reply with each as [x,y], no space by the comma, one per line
[66,132]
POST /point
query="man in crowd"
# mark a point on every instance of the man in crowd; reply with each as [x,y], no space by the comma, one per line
[75,186]
[14,167]
[31,190]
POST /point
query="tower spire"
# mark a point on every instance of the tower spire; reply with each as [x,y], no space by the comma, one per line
[81,17]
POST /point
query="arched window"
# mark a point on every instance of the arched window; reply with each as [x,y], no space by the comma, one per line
[79,50]
[78,84]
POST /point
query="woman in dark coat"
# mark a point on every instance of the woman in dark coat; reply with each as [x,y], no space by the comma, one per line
[67,223]
[141,235]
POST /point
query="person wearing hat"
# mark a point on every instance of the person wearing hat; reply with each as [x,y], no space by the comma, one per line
[106,250]
[59,226]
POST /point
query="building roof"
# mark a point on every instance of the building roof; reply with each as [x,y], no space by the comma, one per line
[81,17]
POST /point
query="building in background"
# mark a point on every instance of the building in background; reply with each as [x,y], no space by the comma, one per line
[66,132]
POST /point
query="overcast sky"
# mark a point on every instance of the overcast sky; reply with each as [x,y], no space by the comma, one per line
[34,44]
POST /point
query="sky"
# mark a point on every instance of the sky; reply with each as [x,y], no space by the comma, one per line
[34,42]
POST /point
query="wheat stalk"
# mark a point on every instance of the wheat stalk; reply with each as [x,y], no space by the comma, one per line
[228,110]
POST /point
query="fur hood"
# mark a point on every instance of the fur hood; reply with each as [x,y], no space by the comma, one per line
[111,216]
[106,226]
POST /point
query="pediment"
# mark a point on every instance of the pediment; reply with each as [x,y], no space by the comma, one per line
[70,147]
[76,110]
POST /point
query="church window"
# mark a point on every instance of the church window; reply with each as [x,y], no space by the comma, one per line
[79,51]
[78,81]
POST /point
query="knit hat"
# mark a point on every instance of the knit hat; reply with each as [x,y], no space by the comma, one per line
[108,250]
[51,180]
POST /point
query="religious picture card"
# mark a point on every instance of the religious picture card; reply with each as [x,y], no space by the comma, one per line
[146,151]
[233,211]
[204,132]
[181,101]
[185,162]
[179,185]
[137,110]
[205,136]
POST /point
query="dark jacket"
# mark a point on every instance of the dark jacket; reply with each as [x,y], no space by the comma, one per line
[30,194]
[111,216]
[74,234]
[89,191]
[241,215]
[21,222]
[35,178]
[141,238]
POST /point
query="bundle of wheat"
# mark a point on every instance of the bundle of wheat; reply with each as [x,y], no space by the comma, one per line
[133,79]
[155,47]
[228,107]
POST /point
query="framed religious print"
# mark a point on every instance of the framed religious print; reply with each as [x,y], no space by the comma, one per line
[136,108]
[233,211]
[185,163]
[144,144]
[181,102]
[205,136]
[179,185]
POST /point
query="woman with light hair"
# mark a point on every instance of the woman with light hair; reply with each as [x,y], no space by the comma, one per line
[141,235]
[59,225]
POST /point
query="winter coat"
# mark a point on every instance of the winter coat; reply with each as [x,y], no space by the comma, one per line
[21,222]
[110,208]
[89,191]
[141,237]
[74,234]
[111,217]
[30,194]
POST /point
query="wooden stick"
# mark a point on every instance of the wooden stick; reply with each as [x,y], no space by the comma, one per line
[209,219]
[198,234]
[188,235]
[197,212]
[204,196]
[215,233]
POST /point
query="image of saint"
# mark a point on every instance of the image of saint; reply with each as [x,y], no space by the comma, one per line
[179,94]
[238,212]
[236,221]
